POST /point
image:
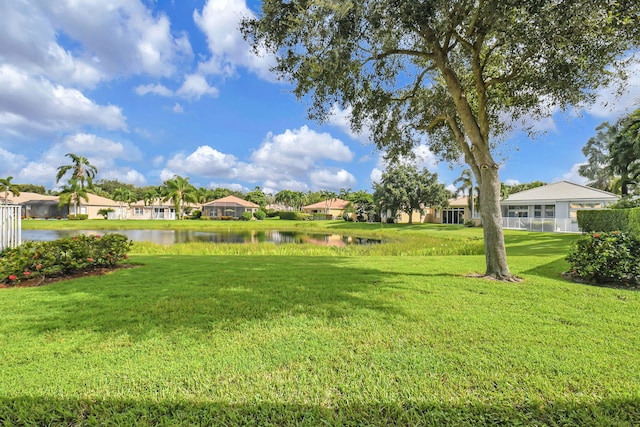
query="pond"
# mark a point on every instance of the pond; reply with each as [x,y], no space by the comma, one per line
[169,237]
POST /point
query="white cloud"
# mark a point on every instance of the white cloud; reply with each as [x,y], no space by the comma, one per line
[29,105]
[376,175]
[425,158]
[39,173]
[230,186]
[177,108]
[342,120]
[610,104]
[155,89]
[572,176]
[125,175]
[219,20]
[205,161]
[511,181]
[298,150]
[195,86]
[332,180]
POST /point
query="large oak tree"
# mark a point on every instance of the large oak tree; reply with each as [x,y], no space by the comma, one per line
[454,70]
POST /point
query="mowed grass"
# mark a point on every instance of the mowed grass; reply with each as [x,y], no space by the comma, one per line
[323,340]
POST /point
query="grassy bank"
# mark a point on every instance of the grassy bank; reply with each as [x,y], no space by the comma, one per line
[323,340]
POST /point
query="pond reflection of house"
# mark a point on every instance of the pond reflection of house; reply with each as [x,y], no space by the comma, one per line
[230,206]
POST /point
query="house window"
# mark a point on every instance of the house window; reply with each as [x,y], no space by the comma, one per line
[518,211]
[537,211]
[137,211]
[453,216]
[550,211]
[83,210]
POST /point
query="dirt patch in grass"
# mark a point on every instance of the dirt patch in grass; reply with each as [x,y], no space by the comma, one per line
[44,280]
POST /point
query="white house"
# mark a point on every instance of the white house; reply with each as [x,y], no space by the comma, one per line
[552,207]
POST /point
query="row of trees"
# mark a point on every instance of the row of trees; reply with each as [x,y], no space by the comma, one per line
[613,156]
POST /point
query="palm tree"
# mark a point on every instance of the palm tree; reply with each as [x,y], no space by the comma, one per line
[72,193]
[81,170]
[8,187]
[179,190]
[328,197]
[149,199]
[464,184]
[123,195]
[596,150]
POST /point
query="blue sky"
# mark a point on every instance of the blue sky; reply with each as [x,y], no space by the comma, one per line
[149,89]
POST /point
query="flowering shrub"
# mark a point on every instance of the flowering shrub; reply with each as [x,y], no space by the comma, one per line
[603,258]
[62,256]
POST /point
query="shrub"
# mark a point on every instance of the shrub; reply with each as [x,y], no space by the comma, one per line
[63,256]
[602,258]
[469,223]
[298,216]
[260,215]
[246,216]
[272,213]
[77,217]
[627,220]
[196,214]
[105,212]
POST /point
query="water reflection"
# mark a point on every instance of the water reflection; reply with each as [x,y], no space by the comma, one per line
[169,237]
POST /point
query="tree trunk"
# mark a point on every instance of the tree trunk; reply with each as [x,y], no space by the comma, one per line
[490,211]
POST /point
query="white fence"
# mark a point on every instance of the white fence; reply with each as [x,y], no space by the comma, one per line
[556,225]
[10,226]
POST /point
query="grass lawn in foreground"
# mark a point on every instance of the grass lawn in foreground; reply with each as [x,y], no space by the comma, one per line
[313,340]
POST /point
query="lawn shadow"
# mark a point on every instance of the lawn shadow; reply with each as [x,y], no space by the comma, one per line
[204,292]
[550,270]
[97,411]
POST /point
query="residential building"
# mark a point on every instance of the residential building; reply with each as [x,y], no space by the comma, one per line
[552,207]
[229,206]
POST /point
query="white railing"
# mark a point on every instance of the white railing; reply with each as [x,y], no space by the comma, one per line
[10,226]
[556,225]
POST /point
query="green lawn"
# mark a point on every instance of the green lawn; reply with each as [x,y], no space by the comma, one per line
[324,340]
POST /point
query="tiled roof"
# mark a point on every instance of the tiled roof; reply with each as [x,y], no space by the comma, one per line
[333,204]
[232,200]
[560,191]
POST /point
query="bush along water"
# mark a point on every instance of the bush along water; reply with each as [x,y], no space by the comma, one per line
[33,260]
[606,258]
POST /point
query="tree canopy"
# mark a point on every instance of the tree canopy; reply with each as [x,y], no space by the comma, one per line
[449,70]
[405,188]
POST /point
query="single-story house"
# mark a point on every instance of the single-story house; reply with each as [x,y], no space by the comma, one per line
[39,206]
[403,217]
[552,207]
[229,206]
[458,212]
[156,209]
[44,206]
[332,208]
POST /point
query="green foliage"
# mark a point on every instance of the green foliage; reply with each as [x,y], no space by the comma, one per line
[260,215]
[77,217]
[297,216]
[605,258]
[246,216]
[63,256]
[626,203]
[104,212]
[609,220]
[405,188]
[196,214]
[257,196]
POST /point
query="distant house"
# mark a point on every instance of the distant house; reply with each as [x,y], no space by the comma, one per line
[43,206]
[332,208]
[552,207]
[39,206]
[403,217]
[458,212]
[155,209]
[230,206]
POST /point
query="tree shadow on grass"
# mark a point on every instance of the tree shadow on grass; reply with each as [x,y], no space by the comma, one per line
[90,411]
[550,270]
[204,292]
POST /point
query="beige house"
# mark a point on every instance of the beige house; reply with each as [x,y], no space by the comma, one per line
[332,208]
[458,212]
[229,206]
[156,209]
[43,206]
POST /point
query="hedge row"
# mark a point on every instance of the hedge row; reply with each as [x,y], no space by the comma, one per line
[298,216]
[607,220]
